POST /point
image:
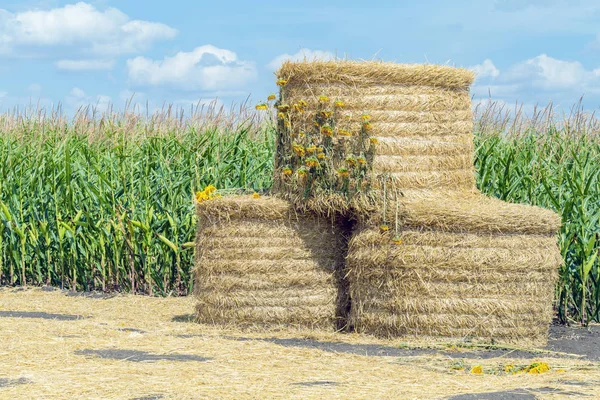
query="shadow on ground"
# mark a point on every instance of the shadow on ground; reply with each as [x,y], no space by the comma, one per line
[42,315]
[517,394]
[317,383]
[5,382]
[139,356]
[184,318]
[565,342]
[576,340]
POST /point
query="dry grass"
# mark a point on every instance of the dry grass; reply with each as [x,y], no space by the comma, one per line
[44,352]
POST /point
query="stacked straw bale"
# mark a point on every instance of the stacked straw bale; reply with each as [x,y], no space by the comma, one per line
[259,263]
[457,269]
[431,255]
[420,116]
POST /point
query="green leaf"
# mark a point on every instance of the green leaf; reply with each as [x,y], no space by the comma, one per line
[166,241]
[587,267]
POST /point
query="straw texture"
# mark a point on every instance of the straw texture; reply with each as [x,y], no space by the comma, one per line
[484,287]
[454,211]
[259,263]
[374,73]
[420,116]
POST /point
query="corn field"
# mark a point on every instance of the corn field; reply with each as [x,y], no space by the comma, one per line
[105,203]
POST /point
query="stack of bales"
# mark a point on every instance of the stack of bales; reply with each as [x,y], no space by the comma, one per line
[442,260]
[428,255]
[259,263]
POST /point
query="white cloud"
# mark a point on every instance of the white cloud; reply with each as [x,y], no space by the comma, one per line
[108,33]
[205,68]
[550,73]
[302,54]
[84,65]
[486,69]
[538,80]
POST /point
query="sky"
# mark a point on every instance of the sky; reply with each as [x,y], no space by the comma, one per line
[193,52]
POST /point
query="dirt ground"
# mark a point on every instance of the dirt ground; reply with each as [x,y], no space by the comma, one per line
[57,345]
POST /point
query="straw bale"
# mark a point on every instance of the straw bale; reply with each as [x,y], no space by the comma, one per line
[374,72]
[428,95]
[460,306]
[450,262]
[325,205]
[537,291]
[410,129]
[293,297]
[445,274]
[260,263]
[462,211]
[457,328]
[486,286]
[415,110]
[243,208]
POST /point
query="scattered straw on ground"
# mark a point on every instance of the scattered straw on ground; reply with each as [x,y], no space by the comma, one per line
[68,358]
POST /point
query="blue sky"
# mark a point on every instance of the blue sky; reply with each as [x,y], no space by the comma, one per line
[183,52]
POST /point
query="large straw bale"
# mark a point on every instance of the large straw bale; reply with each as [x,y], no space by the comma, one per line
[420,116]
[258,262]
[484,287]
